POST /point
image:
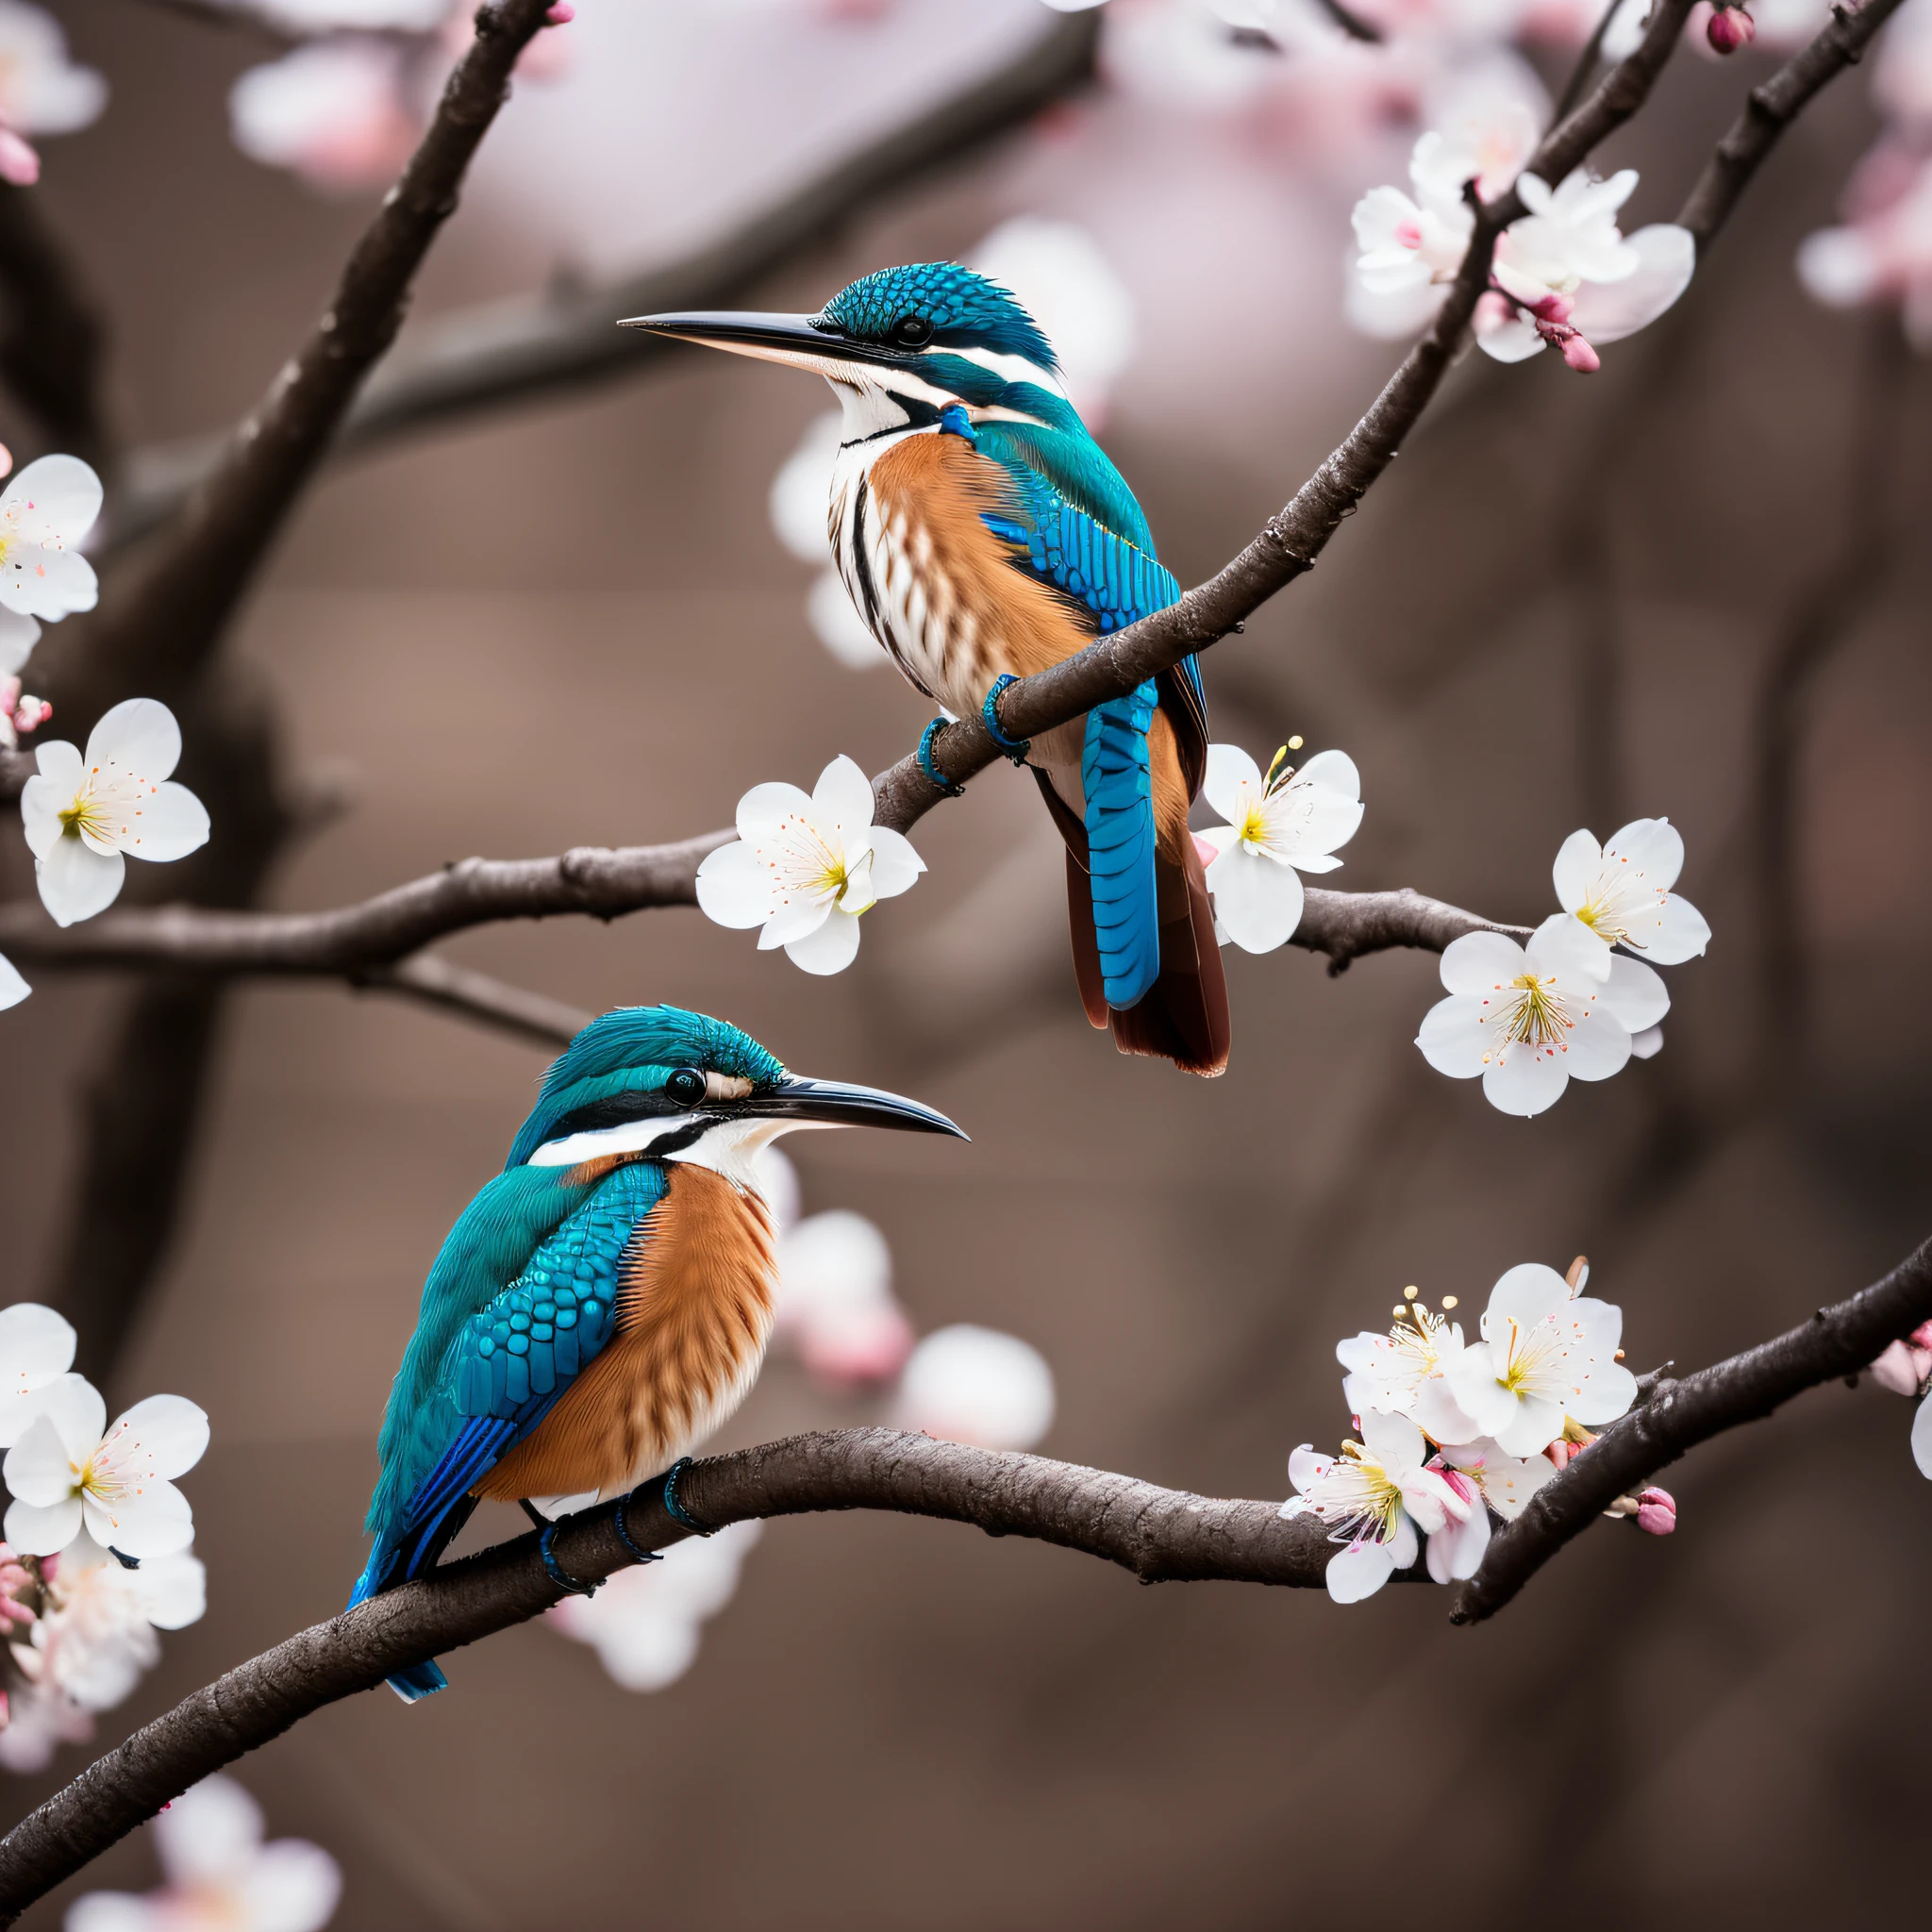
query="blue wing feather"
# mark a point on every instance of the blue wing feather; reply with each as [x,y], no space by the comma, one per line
[503,1363]
[1058,481]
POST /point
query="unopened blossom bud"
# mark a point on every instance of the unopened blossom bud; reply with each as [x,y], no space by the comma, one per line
[1552,307]
[1656,1512]
[1729,28]
[19,163]
[1580,356]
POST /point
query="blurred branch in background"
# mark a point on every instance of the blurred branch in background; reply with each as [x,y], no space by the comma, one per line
[1159,1534]
[51,337]
[510,351]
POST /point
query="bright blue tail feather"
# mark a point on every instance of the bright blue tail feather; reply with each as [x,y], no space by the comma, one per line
[1116,777]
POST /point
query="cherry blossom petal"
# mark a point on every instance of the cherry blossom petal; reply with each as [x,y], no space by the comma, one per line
[843,801]
[765,808]
[13,989]
[169,823]
[210,1834]
[57,497]
[1257,900]
[1403,1545]
[1441,1415]
[40,1469]
[74,1406]
[1634,994]
[174,1591]
[1654,847]
[830,949]
[1564,948]
[164,1435]
[1452,1038]
[18,636]
[735,887]
[1525,1294]
[1524,1083]
[42,1530]
[1232,783]
[290,1886]
[1897,1369]
[1608,1392]
[1457,1550]
[36,1346]
[1648,1044]
[1607,311]
[54,584]
[895,866]
[49,792]
[1534,1426]
[1394,1441]
[153,1521]
[1599,1044]
[1472,1381]
[139,734]
[799,920]
[1512,341]
[1579,863]
[1478,962]
[1921,1438]
[1678,933]
[1360,1570]
[76,882]
[1306,1468]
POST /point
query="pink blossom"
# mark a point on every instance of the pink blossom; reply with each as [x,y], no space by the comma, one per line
[1656,1512]
[18,161]
[1730,28]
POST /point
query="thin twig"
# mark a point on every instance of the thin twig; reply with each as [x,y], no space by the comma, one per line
[473,995]
[1585,62]
[502,353]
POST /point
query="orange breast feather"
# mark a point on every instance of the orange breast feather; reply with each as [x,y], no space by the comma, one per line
[694,1314]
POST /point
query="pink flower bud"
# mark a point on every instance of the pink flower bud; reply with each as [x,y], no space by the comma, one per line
[1552,307]
[560,15]
[1656,1512]
[19,163]
[1729,28]
[1580,356]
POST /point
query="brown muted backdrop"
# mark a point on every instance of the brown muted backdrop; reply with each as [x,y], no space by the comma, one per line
[571,625]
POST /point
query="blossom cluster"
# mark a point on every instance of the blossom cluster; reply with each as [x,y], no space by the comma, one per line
[85,814]
[838,1315]
[1581,998]
[220,1877]
[96,1556]
[1452,1433]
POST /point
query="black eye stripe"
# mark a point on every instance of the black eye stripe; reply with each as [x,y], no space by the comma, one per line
[616,1110]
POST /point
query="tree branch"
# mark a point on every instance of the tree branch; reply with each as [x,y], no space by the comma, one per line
[472,995]
[1772,108]
[1678,1415]
[482,357]
[170,605]
[1158,1535]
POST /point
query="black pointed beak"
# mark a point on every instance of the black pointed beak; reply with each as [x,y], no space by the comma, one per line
[834,1104]
[802,340]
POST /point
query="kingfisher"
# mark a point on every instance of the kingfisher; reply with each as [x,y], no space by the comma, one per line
[983,535]
[604,1301]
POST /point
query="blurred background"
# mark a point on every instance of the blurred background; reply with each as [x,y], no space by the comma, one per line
[1684,587]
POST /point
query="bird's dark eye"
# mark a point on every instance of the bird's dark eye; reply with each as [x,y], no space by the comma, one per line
[687,1085]
[913,330]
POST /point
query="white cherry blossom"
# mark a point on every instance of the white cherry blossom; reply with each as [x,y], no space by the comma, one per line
[45,511]
[220,1877]
[69,1471]
[644,1623]
[38,1724]
[1505,1482]
[806,868]
[1529,1019]
[1622,892]
[96,1639]
[1278,828]
[836,1303]
[968,1383]
[41,92]
[86,816]
[1387,1371]
[1544,1355]
[1373,1497]
[36,1350]
[336,112]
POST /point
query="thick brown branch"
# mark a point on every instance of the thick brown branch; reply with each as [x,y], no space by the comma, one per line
[1678,1415]
[1159,1535]
[1772,108]
[501,352]
[169,606]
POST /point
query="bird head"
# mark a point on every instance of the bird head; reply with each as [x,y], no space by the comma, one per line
[678,1086]
[900,345]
